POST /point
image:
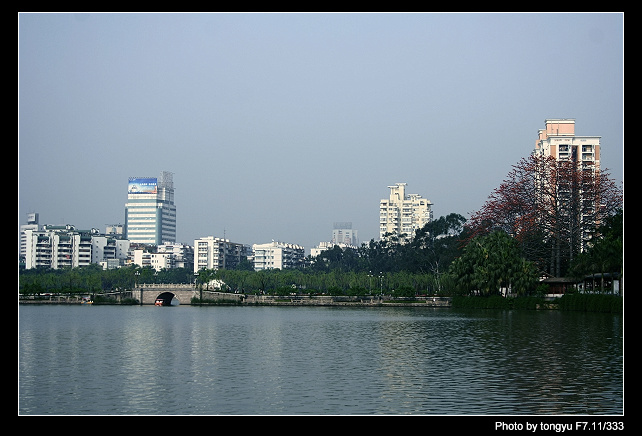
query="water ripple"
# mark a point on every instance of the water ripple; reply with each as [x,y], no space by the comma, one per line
[185,360]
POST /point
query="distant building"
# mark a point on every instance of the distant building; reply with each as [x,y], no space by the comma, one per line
[157,261]
[166,256]
[182,255]
[150,213]
[115,230]
[402,214]
[108,251]
[343,233]
[218,253]
[32,224]
[64,246]
[323,246]
[277,255]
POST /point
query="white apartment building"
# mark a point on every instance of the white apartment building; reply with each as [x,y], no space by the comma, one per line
[166,256]
[402,214]
[64,246]
[32,224]
[157,261]
[218,253]
[277,255]
[108,251]
[182,254]
[57,247]
[323,246]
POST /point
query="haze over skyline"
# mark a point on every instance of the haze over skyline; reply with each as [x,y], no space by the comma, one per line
[277,125]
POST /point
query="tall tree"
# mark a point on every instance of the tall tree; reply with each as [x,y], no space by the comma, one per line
[551,207]
[491,263]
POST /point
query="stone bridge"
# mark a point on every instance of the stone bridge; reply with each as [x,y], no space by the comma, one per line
[175,294]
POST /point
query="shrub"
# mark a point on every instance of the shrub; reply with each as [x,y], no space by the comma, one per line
[592,303]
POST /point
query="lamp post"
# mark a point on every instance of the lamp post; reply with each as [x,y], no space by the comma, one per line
[200,288]
[136,275]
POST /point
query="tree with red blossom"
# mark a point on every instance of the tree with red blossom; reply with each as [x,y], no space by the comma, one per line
[552,208]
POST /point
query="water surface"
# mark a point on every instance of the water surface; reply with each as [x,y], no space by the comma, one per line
[317,360]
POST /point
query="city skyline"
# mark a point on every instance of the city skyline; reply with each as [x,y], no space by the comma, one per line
[275,126]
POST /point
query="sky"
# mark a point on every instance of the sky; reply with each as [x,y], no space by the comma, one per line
[277,125]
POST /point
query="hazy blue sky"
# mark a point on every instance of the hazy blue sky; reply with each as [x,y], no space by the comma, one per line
[277,125]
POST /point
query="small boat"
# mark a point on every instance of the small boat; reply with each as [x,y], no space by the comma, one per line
[86,300]
[159,302]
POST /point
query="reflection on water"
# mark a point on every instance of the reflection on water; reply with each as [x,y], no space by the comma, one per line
[311,360]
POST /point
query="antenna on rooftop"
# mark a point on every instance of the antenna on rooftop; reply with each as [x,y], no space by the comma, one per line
[166,180]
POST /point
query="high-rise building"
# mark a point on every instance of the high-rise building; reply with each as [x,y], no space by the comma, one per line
[402,214]
[557,139]
[150,213]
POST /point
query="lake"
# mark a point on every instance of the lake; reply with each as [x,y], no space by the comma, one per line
[262,360]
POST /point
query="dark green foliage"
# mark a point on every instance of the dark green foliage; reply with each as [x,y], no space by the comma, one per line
[430,251]
[606,303]
[606,253]
[492,264]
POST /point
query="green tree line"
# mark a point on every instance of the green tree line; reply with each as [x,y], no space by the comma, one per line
[441,259]
[93,279]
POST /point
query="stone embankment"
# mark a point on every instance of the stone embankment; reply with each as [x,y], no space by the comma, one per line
[327,300]
[224,298]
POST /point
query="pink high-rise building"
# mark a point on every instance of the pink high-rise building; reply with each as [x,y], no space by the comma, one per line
[558,139]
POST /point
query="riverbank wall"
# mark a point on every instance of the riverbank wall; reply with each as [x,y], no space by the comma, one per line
[215,299]
[572,302]
[328,300]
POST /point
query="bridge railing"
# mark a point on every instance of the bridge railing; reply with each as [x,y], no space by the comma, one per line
[166,286]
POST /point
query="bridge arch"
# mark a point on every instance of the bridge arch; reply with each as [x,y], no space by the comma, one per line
[167,299]
[169,294]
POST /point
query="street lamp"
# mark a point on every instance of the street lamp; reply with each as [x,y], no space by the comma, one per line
[136,274]
[200,287]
